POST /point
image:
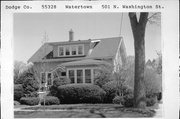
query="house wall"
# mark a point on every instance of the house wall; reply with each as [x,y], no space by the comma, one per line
[86,48]
[45,67]
[117,61]
[120,57]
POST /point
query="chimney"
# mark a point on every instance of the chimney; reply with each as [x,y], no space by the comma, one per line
[71,35]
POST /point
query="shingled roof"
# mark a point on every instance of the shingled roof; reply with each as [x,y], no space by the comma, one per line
[86,62]
[41,52]
[107,47]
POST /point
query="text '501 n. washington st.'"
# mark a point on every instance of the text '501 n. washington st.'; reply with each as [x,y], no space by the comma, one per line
[133,6]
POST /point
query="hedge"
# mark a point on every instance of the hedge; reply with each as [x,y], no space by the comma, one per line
[56,83]
[29,100]
[50,100]
[18,92]
[80,93]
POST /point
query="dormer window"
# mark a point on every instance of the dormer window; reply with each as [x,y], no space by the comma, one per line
[73,49]
[80,49]
[67,50]
[70,50]
[61,51]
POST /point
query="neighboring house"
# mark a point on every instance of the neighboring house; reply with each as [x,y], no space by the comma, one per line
[77,60]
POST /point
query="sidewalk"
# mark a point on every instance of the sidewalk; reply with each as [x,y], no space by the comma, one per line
[159,111]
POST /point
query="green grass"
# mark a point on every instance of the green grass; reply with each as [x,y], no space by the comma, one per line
[83,111]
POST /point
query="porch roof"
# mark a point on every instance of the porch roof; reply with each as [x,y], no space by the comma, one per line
[86,62]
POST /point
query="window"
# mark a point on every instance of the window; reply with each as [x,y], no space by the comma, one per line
[71,76]
[58,71]
[80,50]
[43,77]
[87,76]
[61,51]
[67,50]
[79,76]
[63,73]
[49,79]
[73,48]
[55,75]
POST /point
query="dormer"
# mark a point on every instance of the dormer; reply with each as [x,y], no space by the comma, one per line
[71,50]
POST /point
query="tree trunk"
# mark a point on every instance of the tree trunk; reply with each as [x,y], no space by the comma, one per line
[138,29]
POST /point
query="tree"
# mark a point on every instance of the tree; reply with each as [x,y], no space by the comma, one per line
[18,66]
[138,29]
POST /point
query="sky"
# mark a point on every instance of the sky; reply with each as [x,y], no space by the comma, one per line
[29,29]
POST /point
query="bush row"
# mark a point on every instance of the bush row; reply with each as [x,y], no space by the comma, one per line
[83,93]
[49,100]
[80,93]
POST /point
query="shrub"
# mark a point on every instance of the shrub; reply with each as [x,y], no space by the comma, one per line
[50,100]
[80,93]
[30,86]
[16,103]
[129,100]
[103,75]
[18,92]
[151,101]
[56,83]
[29,100]
[118,100]
[111,90]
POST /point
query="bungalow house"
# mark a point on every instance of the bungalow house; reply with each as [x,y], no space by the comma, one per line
[77,60]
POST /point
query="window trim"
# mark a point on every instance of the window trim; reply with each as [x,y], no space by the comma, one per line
[70,48]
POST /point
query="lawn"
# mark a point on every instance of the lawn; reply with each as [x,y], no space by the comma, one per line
[82,111]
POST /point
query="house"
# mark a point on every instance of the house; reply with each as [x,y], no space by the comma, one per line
[77,59]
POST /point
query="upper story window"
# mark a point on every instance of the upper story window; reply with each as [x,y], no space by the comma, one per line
[67,50]
[80,49]
[61,51]
[71,50]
